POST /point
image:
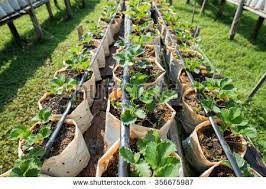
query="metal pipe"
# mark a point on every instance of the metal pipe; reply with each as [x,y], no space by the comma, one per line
[124,129]
[217,131]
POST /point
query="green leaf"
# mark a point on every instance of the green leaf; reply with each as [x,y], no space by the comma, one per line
[167,95]
[170,170]
[128,117]
[166,148]
[140,113]
[127,154]
[143,169]
[43,115]
[151,154]
[20,132]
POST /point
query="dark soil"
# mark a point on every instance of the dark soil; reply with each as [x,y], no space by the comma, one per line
[66,135]
[91,45]
[68,73]
[112,168]
[154,119]
[151,70]
[222,171]
[192,100]
[149,52]
[58,103]
[211,146]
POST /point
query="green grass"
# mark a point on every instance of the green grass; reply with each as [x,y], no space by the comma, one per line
[25,72]
[242,59]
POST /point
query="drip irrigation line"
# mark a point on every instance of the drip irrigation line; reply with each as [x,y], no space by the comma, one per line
[215,127]
[60,123]
[124,129]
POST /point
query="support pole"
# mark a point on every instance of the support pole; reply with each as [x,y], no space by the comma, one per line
[68,9]
[257,28]
[14,31]
[203,6]
[257,87]
[236,19]
[49,9]
[36,25]
[221,8]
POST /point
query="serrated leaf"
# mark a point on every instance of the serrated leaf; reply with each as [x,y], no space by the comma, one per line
[170,170]
[128,117]
[140,113]
[166,148]
[151,154]
[143,169]
[127,154]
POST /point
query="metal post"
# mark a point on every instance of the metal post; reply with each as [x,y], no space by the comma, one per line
[124,129]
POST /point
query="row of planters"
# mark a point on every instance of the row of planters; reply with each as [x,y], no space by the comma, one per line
[210,90]
[148,113]
[69,154]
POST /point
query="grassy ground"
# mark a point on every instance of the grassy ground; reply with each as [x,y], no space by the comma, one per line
[241,59]
[25,72]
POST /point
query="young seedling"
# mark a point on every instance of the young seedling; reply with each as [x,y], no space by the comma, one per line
[32,139]
[128,55]
[61,85]
[153,158]
[29,165]
[234,120]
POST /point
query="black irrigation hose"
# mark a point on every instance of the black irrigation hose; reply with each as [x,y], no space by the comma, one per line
[124,129]
[59,124]
[217,131]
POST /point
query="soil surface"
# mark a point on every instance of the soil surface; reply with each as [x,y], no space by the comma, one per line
[68,73]
[211,146]
[155,119]
[58,103]
[66,135]
[222,171]
[151,70]
[192,100]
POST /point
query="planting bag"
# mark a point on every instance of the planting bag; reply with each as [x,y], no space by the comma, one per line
[71,161]
[103,162]
[81,115]
[115,26]
[112,124]
[14,4]
[193,151]
[190,118]
[209,171]
[88,86]
[100,56]
[183,86]
[175,67]
[5,5]
[159,80]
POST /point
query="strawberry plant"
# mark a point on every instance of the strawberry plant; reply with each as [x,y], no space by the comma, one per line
[29,165]
[61,85]
[128,55]
[144,101]
[154,157]
[142,39]
[234,120]
[32,139]
[77,59]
